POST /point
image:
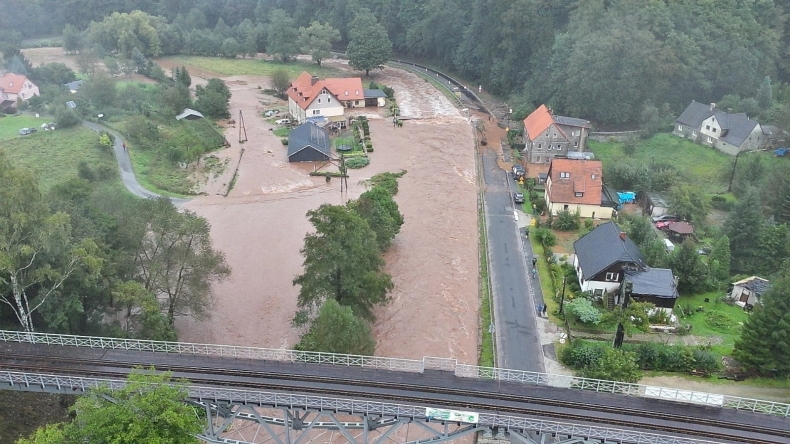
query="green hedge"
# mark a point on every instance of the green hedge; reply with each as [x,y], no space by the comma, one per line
[650,356]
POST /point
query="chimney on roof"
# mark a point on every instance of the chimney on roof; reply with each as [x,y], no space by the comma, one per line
[712,105]
[729,110]
[623,235]
[313,80]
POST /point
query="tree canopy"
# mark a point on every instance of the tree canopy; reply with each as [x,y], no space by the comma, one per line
[764,344]
[337,330]
[150,409]
[317,40]
[369,45]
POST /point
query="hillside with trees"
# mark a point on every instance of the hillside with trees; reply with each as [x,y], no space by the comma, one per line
[625,55]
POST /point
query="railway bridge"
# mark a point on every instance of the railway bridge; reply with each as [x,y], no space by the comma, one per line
[253,395]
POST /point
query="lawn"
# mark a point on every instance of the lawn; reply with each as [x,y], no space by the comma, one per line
[697,163]
[10,125]
[716,319]
[238,67]
[55,155]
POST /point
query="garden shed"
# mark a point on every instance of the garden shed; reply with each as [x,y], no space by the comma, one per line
[657,286]
[308,143]
[655,204]
[679,231]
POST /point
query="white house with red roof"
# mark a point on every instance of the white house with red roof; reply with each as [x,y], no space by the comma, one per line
[576,185]
[310,97]
[13,86]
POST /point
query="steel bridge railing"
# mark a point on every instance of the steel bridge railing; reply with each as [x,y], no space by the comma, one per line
[319,403]
[405,365]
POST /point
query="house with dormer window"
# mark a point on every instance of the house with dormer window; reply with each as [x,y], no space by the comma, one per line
[725,131]
[547,136]
[576,185]
[606,256]
[311,98]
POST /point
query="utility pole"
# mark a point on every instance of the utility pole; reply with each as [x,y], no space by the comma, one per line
[242,129]
[625,291]
[562,295]
[732,176]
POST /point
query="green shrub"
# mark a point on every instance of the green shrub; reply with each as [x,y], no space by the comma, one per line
[583,309]
[567,221]
[721,203]
[357,162]
[706,362]
[284,141]
[578,354]
[545,237]
[718,320]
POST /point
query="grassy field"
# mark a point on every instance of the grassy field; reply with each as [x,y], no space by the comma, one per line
[717,320]
[697,163]
[55,155]
[238,67]
[10,125]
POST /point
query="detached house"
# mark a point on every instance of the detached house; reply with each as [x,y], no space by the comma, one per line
[13,86]
[577,185]
[547,136]
[727,132]
[749,291]
[606,256]
[309,97]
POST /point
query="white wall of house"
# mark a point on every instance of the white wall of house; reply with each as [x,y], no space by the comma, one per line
[711,127]
[325,105]
[743,296]
[296,111]
[590,211]
[593,285]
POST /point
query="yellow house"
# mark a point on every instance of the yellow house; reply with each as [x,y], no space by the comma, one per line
[577,185]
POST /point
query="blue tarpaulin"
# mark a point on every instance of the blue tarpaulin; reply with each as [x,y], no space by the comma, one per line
[626,197]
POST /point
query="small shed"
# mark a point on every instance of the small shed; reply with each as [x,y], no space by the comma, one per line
[749,291]
[74,86]
[657,286]
[308,143]
[375,97]
[679,231]
[189,114]
[655,204]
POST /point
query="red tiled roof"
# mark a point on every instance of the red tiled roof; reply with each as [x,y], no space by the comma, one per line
[681,228]
[304,90]
[12,83]
[585,176]
[537,122]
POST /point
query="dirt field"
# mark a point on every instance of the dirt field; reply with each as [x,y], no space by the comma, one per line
[261,226]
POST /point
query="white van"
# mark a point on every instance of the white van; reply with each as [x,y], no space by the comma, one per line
[669,245]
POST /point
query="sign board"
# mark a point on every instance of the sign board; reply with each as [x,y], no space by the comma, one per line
[451,415]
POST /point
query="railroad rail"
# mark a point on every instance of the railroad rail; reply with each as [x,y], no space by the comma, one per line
[404,365]
[432,387]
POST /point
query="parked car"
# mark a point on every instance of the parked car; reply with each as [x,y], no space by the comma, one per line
[518,168]
[26,131]
[271,112]
[283,121]
[664,224]
[665,218]
[518,197]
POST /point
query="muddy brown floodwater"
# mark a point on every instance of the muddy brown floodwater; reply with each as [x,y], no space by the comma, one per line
[261,225]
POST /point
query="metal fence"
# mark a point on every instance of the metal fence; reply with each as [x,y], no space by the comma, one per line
[353,407]
[223,351]
[406,365]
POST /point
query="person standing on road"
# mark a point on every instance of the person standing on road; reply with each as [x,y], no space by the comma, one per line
[124,146]
[544,310]
[534,261]
[534,272]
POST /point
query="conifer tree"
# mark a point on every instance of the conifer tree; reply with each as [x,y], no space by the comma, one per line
[764,344]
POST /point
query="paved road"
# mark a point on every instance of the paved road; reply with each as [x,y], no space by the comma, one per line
[515,316]
[125,164]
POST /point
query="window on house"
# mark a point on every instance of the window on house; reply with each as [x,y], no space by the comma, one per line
[565,208]
[559,147]
[612,277]
[316,112]
[710,140]
[707,127]
[680,128]
[537,160]
[565,175]
[693,133]
[575,143]
[328,100]
[575,133]
[540,147]
[714,130]
[319,100]
[578,194]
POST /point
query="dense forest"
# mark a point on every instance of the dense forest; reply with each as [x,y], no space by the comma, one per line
[604,60]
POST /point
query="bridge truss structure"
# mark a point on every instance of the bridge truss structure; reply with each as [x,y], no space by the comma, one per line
[237,416]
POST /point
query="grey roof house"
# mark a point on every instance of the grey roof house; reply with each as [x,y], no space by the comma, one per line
[308,143]
[606,256]
[749,291]
[727,132]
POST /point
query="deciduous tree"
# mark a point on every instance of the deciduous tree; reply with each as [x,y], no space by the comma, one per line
[337,330]
[36,253]
[614,365]
[283,35]
[176,261]
[369,46]
[689,203]
[317,40]
[149,409]
[213,99]
[341,262]
[719,260]
[688,267]
[281,81]
[380,211]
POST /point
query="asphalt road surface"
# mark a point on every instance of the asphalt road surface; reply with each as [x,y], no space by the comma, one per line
[125,164]
[515,315]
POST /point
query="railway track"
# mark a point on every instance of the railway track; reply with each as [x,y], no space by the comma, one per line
[483,398]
